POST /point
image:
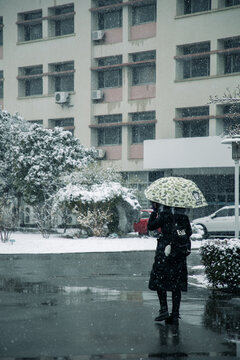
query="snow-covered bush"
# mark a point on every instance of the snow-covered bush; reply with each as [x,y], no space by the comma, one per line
[96,220]
[197,232]
[221,259]
[8,220]
[101,191]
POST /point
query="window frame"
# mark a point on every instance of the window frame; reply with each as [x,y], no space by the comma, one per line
[139,122]
[1,85]
[136,9]
[67,123]
[58,17]
[143,62]
[31,76]
[231,59]
[27,25]
[108,129]
[233,3]
[191,59]
[58,74]
[189,8]
[107,24]
[1,30]
[106,77]
[189,120]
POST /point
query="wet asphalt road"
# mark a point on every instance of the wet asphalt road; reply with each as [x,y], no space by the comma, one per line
[97,306]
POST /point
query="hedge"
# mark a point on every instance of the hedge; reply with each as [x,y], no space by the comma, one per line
[221,259]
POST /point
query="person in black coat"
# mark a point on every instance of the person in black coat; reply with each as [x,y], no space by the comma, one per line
[169,270]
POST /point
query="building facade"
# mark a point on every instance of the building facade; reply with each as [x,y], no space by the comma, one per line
[132,78]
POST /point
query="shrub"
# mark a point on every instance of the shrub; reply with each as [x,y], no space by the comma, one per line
[221,259]
[96,220]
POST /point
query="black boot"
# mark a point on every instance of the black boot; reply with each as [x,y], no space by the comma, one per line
[173,319]
[163,315]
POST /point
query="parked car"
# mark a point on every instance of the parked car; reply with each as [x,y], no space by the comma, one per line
[221,222]
[141,226]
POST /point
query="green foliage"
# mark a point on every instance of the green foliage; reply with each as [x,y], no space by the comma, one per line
[221,259]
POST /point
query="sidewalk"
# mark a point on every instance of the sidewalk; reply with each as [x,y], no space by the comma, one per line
[97,306]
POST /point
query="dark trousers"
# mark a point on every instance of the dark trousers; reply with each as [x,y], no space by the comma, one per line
[176,299]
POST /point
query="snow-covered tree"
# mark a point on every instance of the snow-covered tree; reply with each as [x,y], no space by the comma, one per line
[33,160]
[232,100]
[10,127]
[40,157]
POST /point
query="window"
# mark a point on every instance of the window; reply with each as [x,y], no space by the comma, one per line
[109,135]
[1,84]
[110,78]
[144,73]
[30,25]
[232,2]
[30,81]
[143,14]
[61,20]
[66,123]
[193,6]
[38,122]
[222,213]
[145,131]
[108,2]
[1,31]
[111,18]
[61,77]
[193,62]
[195,128]
[232,60]
[193,122]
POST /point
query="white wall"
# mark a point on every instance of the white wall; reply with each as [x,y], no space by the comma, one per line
[179,153]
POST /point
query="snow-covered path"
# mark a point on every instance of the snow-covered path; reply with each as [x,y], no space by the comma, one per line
[31,243]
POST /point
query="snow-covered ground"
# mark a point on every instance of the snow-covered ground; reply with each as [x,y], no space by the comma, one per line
[34,243]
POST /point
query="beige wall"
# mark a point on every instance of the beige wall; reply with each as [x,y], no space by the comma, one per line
[171,31]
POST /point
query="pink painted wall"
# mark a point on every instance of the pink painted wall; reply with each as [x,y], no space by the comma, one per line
[113,36]
[112,94]
[142,92]
[113,152]
[1,52]
[143,31]
[136,151]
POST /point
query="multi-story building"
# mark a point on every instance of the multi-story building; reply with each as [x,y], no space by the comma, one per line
[132,78]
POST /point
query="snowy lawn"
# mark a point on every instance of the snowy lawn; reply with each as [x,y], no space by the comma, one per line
[32,243]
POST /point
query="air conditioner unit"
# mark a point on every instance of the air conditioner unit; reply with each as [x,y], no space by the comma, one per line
[61,97]
[98,35]
[97,94]
[100,154]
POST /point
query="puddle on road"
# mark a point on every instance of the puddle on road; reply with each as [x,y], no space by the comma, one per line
[163,355]
[70,295]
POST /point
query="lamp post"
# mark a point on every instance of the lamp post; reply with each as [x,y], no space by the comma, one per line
[235,142]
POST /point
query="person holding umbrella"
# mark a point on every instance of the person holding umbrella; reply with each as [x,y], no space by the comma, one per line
[169,271]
